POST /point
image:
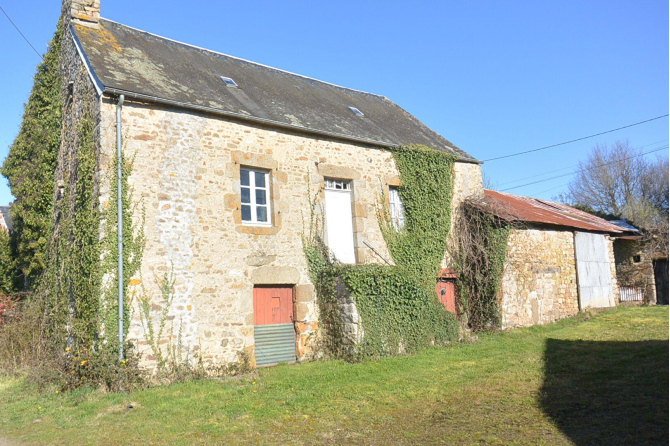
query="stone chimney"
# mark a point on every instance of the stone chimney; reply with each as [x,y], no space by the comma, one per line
[83,12]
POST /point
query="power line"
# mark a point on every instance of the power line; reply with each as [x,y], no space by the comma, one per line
[551,188]
[568,167]
[575,140]
[17,28]
[572,173]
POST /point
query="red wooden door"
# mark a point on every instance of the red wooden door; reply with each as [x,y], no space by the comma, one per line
[446,292]
[273,305]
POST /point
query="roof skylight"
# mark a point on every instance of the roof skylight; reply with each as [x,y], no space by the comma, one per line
[356,111]
[228,81]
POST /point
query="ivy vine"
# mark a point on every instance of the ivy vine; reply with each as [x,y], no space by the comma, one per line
[397,305]
[480,251]
[30,166]
[64,244]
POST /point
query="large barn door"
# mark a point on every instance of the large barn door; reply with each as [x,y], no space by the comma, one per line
[274,334]
[594,272]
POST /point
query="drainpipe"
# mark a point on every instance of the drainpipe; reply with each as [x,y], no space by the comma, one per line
[119,213]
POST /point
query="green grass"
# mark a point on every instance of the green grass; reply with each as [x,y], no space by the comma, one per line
[603,380]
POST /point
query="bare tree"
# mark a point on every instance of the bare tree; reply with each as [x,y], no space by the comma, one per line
[619,181]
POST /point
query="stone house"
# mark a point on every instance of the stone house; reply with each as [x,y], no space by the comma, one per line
[641,269]
[227,154]
[559,260]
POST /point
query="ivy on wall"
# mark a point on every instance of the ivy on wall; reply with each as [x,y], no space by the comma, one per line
[133,247]
[397,305]
[57,239]
[30,166]
[480,251]
[426,189]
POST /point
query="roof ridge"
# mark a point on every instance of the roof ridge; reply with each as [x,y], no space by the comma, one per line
[248,61]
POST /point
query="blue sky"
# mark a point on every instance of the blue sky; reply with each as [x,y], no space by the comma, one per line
[493,77]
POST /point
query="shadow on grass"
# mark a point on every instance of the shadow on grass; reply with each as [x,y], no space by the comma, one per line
[607,392]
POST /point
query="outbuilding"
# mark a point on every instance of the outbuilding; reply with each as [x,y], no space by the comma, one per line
[559,260]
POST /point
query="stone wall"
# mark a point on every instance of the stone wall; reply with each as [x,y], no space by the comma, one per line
[539,284]
[631,273]
[612,259]
[79,99]
[186,181]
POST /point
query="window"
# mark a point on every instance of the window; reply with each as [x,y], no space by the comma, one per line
[228,81]
[337,184]
[637,259]
[397,209]
[255,194]
[356,111]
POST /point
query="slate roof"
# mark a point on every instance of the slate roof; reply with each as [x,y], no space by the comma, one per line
[128,61]
[533,210]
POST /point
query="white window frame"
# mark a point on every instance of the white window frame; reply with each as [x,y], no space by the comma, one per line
[333,184]
[396,208]
[252,197]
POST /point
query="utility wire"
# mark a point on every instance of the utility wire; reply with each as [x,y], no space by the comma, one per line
[572,173]
[17,28]
[568,167]
[575,140]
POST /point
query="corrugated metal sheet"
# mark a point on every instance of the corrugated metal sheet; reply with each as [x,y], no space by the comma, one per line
[594,272]
[518,208]
[274,344]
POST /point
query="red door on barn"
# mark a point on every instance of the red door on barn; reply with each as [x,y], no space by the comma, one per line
[446,289]
[274,333]
[446,292]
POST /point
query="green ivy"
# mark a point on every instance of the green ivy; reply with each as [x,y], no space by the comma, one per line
[30,167]
[71,280]
[71,268]
[426,178]
[133,247]
[397,305]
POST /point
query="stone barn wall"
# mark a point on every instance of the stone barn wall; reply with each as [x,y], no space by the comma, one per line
[186,181]
[539,284]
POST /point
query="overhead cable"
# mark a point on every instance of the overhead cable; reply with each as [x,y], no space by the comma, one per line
[575,140]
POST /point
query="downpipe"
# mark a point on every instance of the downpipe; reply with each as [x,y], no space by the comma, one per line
[119,213]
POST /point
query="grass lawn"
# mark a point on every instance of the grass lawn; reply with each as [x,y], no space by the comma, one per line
[603,380]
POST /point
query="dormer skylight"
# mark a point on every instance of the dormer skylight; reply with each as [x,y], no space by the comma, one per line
[356,111]
[228,81]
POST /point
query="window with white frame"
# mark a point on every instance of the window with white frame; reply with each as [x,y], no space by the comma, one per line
[397,209]
[332,184]
[255,196]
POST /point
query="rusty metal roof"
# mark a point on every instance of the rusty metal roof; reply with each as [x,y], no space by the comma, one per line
[125,60]
[533,210]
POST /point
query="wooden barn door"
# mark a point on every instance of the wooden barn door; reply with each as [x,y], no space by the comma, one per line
[274,333]
[446,292]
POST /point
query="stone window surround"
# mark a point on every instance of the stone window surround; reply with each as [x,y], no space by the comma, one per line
[233,201]
[253,191]
[358,212]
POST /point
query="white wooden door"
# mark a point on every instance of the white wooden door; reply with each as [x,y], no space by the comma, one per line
[339,225]
[594,273]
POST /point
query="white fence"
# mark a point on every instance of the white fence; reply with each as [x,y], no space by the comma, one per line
[631,294]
